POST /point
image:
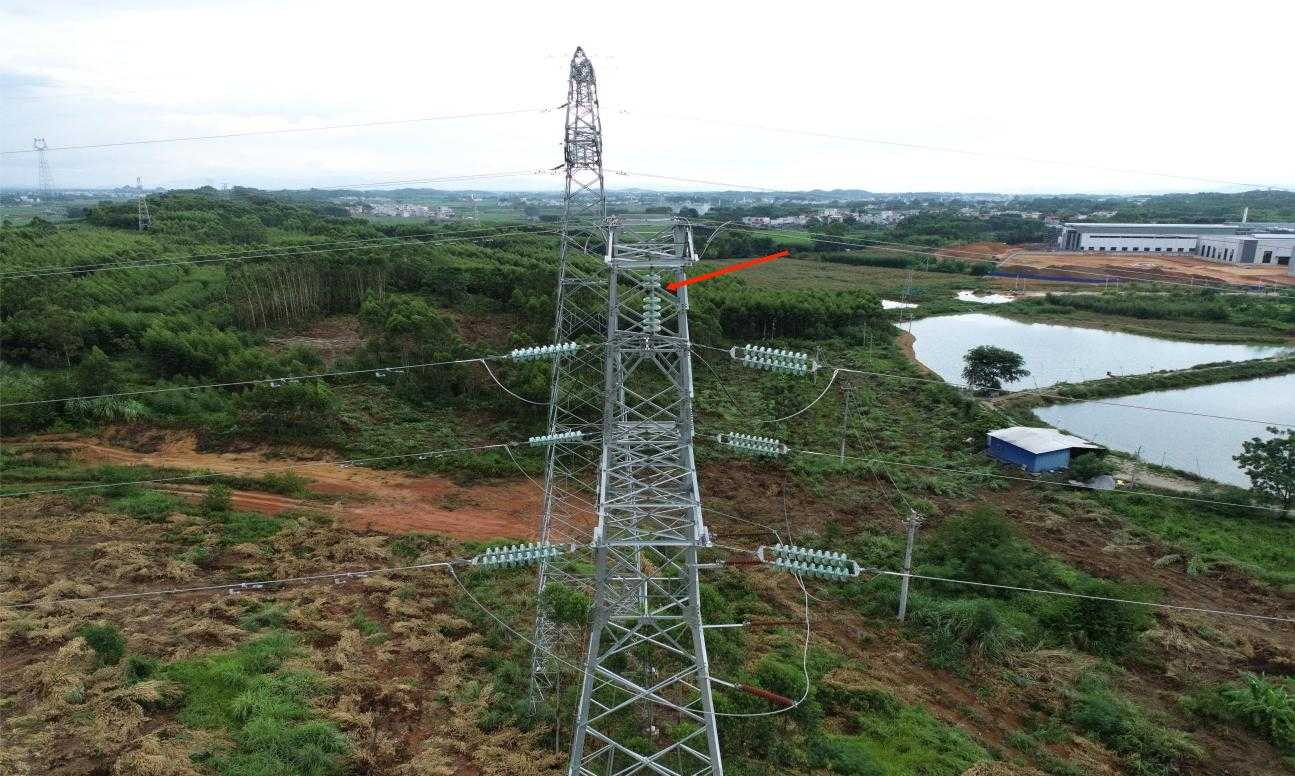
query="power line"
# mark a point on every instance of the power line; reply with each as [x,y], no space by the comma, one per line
[957,151]
[445,179]
[290,467]
[934,253]
[234,586]
[1202,610]
[738,186]
[277,381]
[287,131]
[894,376]
[1080,486]
[1004,391]
[272,253]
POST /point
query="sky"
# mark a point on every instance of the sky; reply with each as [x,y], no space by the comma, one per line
[1050,97]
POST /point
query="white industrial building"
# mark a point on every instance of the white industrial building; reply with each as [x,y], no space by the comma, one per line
[1240,243]
[1249,249]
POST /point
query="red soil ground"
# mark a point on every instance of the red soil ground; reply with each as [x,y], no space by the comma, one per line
[366,499]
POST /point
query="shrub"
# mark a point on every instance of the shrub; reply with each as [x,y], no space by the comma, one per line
[983,546]
[1103,628]
[246,527]
[1265,705]
[106,641]
[218,498]
[566,604]
[138,668]
[285,483]
[1089,465]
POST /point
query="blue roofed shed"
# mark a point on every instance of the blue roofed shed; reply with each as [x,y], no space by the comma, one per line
[1036,449]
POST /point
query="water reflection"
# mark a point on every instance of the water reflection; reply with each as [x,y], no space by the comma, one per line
[1196,444]
[1055,354]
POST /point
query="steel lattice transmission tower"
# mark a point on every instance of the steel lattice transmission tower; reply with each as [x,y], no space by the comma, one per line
[645,703]
[44,177]
[145,220]
[576,389]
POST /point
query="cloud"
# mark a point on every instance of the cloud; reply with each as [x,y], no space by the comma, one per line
[1011,79]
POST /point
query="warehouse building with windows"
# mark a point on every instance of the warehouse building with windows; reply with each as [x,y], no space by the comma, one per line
[1240,242]
[1249,249]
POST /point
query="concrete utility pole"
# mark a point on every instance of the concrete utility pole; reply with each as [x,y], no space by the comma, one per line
[576,380]
[845,422]
[913,522]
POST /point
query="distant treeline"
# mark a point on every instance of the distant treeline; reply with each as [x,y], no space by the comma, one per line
[923,263]
[96,329]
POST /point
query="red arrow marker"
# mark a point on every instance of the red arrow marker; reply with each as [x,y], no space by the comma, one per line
[734,268]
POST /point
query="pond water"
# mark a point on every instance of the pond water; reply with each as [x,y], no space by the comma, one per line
[891,304]
[1201,445]
[972,296]
[1055,354]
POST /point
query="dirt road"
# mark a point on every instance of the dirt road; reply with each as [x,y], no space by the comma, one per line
[364,498]
[1143,266]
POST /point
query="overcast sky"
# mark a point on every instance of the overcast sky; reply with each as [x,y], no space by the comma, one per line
[1191,89]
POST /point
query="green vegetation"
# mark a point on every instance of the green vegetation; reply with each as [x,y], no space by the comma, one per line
[988,367]
[1086,466]
[1204,374]
[1148,747]
[1206,314]
[891,738]
[1270,465]
[1265,705]
[414,301]
[264,707]
[965,626]
[1210,535]
[106,641]
[880,258]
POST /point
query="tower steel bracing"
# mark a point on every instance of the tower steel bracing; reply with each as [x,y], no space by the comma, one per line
[576,384]
[645,701]
[45,179]
[145,220]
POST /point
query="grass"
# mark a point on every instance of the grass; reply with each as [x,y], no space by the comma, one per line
[890,738]
[264,707]
[1147,747]
[1203,316]
[149,505]
[1259,545]
[1204,374]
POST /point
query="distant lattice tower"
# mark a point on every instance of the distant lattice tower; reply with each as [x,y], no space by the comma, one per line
[145,221]
[576,382]
[44,177]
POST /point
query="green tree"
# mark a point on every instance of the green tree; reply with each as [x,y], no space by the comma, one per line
[988,367]
[95,375]
[402,325]
[1270,465]
[1090,465]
